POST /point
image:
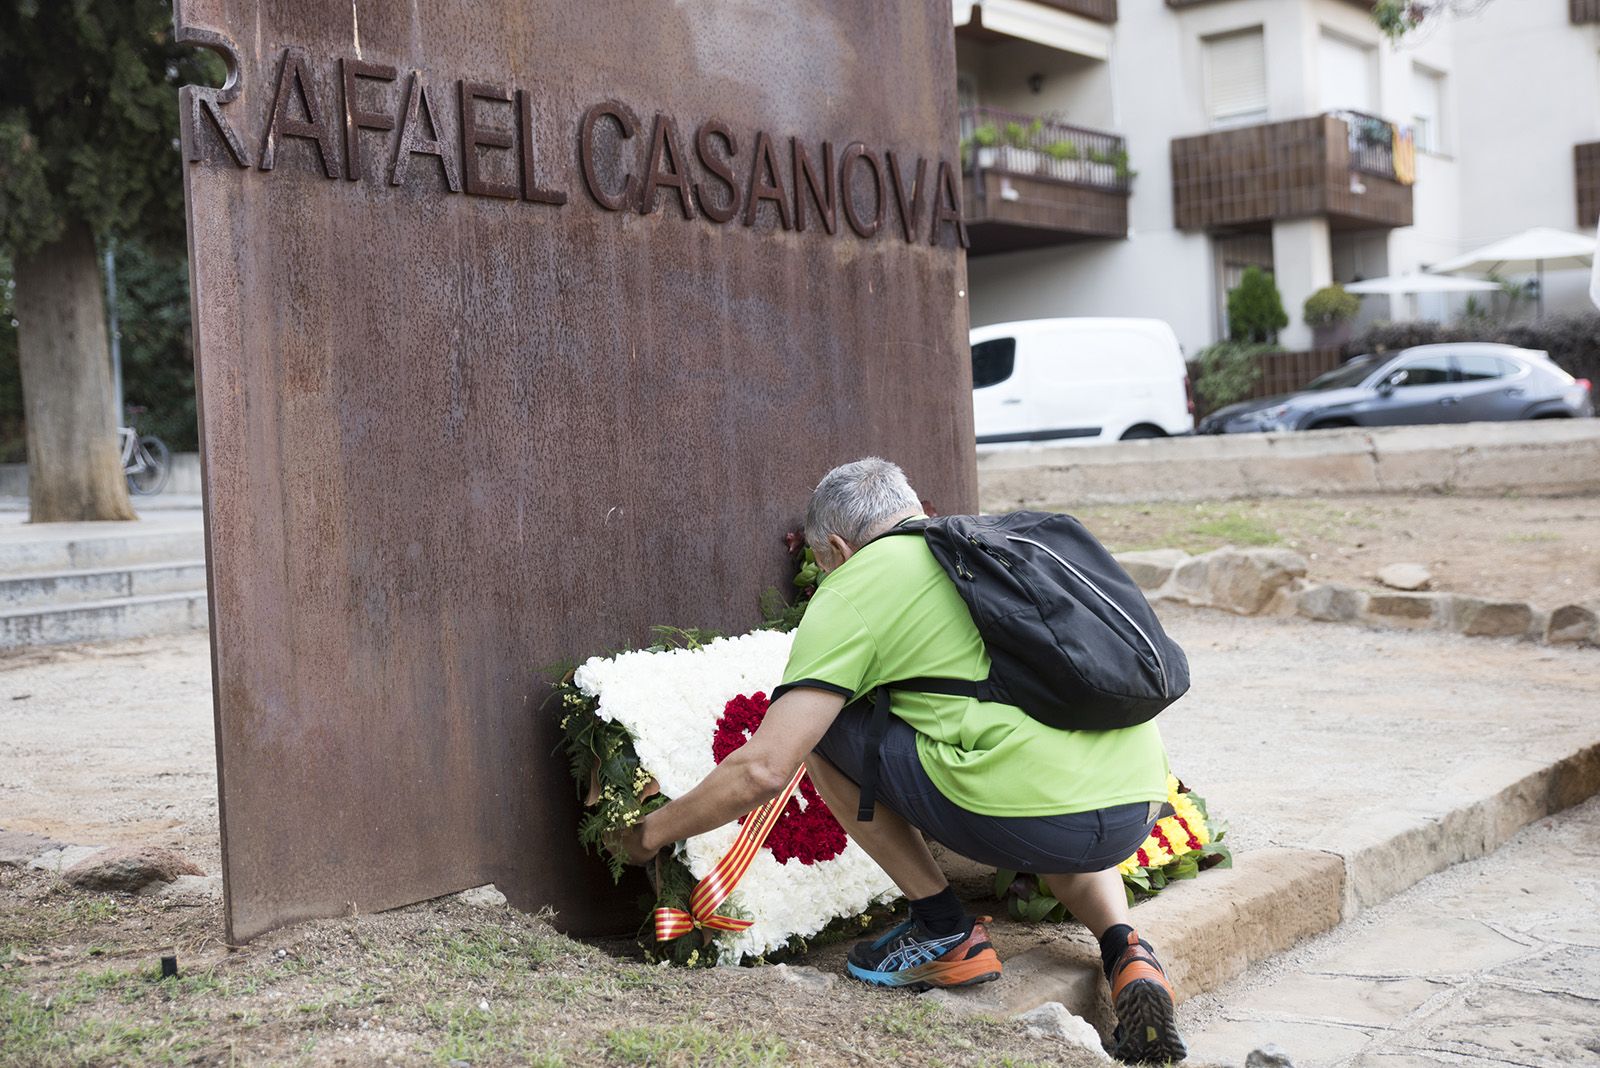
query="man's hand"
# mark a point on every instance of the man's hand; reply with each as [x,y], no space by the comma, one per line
[630,843]
[751,774]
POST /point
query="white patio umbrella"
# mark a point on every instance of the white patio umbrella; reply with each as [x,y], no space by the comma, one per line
[1594,280]
[1534,250]
[1394,285]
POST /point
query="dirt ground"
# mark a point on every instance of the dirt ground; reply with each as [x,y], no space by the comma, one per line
[1542,550]
[443,982]
[112,745]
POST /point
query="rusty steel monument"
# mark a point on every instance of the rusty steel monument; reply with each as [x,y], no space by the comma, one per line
[522,326]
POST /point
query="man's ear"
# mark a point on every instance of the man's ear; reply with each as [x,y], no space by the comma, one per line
[839,549]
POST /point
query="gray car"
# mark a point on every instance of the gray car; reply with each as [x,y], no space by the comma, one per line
[1451,383]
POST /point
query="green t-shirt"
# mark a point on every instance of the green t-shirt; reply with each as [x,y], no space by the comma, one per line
[890,612]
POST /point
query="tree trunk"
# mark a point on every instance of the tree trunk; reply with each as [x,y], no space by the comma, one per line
[74,462]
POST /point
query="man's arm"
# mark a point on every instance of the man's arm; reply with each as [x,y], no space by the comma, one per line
[751,775]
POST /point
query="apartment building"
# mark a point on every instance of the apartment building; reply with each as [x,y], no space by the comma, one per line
[1136,158]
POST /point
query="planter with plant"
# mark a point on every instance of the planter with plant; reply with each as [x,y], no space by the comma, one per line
[1329,312]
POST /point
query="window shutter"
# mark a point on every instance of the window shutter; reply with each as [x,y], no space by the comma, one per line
[1236,76]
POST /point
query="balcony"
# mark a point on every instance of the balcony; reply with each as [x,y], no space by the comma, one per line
[1029,182]
[1357,3]
[1099,10]
[1355,169]
[1586,166]
[1585,11]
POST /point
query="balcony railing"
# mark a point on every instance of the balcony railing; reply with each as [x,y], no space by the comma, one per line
[1354,169]
[1030,182]
[1034,147]
[1374,143]
[1586,178]
[1585,11]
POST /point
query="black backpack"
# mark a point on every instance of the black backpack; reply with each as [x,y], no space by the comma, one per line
[1071,639]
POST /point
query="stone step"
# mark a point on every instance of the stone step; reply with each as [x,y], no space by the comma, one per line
[59,589]
[57,547]
[114,619]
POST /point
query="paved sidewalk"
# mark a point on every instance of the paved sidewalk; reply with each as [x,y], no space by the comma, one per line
[1493,962]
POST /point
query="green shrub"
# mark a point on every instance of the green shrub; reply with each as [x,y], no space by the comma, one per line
[1255,308]
[1330,306]
[1229,370]
[1062,150]
[987,135]
[1573,341]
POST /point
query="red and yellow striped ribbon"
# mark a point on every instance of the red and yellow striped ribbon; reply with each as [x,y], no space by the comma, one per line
[713,890]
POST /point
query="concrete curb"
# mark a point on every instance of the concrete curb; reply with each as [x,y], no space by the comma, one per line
[1210,930]
[1556,456]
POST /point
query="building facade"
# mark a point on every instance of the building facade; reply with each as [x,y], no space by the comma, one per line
[1135,158]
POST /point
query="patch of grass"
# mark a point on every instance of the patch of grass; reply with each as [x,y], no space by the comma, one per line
[1233,528]
[925,1023]
[36,1032]
[692,1044]
[89,911]
[1533,536]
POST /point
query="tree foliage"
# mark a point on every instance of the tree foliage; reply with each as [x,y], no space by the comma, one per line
[1255,308]
[89,120]
[89,133]
[1396,18]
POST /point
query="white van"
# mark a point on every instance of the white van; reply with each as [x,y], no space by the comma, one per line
[1078,382]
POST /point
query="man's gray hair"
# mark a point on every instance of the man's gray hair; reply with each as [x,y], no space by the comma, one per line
[856,501]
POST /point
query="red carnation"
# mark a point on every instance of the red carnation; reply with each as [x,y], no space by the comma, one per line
[807,833]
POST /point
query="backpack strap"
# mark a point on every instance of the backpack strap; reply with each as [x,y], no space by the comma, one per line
[878,727]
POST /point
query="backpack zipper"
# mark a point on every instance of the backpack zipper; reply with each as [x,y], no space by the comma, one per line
[1160,664]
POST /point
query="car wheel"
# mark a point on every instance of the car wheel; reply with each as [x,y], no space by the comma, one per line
[1138,433]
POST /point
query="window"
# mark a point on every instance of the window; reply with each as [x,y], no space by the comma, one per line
[1478,368]
[1427,109]
[1351,374]
[1236,78]
[1348,71]
[993,361]
[1426,371]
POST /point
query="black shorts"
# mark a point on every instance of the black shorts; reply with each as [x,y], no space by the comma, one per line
[1047,845]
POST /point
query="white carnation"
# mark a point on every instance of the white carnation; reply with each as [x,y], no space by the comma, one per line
[669,702]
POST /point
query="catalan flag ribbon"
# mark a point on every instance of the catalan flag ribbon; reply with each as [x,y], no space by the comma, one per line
[713,890]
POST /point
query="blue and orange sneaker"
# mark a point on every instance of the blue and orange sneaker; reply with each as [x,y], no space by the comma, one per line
[1147,1030]
[913,958]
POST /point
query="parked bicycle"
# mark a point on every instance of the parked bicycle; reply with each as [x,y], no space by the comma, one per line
[146,460]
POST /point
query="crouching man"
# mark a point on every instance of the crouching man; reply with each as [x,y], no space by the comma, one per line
[984,779]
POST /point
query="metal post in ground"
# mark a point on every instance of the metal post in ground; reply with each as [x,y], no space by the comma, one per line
[116,333]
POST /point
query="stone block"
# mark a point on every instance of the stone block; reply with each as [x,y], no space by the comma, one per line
[1572,623]
[1406,609]
[186,888]
[129,868]
[1331,603]
[17,848]
[1410,577]
[58,860]
[1052,1021]
[1492,619]
[1151,568]
[1244,581]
